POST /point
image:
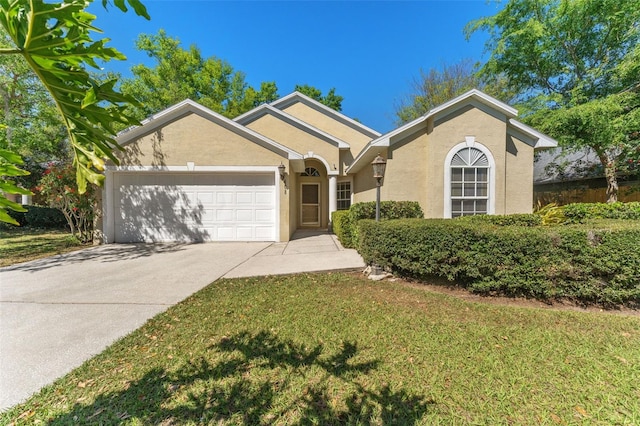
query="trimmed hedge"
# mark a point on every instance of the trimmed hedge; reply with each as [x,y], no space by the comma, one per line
[578,262]
[344,221]
[579,212]
[40,217]
[524,219]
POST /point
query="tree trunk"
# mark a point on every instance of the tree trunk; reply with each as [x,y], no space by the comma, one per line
[610,175]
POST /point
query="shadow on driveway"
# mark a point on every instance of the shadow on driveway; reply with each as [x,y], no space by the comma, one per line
[104,253]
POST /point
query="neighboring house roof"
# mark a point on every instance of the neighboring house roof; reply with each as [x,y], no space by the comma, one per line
[191,107]
[558,165]
[265,109]
[473,97]
[295,97]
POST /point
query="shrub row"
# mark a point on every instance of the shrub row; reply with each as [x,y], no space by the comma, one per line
[578,262]
[529,219]
[579,212]
[40,217]
[344,221]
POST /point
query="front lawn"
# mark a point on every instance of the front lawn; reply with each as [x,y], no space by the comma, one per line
[24,244]
[339,349]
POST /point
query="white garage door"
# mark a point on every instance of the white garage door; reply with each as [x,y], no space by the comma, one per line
[153,207]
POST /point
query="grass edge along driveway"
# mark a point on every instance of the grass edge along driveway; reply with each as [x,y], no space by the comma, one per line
[19,245]
[337,348]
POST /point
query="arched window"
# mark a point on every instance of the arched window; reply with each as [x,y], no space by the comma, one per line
[468,180]
[310,171]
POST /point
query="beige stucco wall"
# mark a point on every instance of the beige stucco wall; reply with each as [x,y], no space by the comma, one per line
[194,138]
[449,131]
[519,176]
[319,120]
[295,138]
[416,164]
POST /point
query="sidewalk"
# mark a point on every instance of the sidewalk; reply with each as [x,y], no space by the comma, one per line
[308,251]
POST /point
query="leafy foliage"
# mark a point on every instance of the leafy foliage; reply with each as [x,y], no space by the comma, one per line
[575,65]
[181,74]
[33,127]
[55,41]
[523,219]
[344,222]
[560,47]
[331,100]
[580,212]
[551,214]
[59,189]
[40,217]
[437,86]
[584,263]
[9,163]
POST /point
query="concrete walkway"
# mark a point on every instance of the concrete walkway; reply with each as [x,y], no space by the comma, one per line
[57,312]
[308,251]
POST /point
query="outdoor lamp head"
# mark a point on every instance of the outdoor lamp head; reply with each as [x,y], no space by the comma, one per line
[379,164]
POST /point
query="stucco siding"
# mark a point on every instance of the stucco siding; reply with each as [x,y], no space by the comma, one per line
[319,120]
[449,131]
[295,138]
[193,138]
[519,176]
[406,176]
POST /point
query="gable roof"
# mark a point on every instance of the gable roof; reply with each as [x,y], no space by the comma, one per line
[296,97]
[473,97]
[188,106]
[266,109]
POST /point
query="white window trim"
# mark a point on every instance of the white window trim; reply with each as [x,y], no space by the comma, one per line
[350,182]
[469,142]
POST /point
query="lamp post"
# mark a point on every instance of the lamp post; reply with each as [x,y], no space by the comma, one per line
[379,165]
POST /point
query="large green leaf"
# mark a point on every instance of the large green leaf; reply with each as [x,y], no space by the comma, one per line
[56,41]
[9,162]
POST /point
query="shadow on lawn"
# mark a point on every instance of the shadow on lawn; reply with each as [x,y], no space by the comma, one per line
[244,389]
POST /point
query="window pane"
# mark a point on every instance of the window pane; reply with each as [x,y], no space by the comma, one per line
[456,175]
[468,206]
[456,189]
[456,205]
[469,175]
[469,190]
[482,190]
[481,206]
[483,174]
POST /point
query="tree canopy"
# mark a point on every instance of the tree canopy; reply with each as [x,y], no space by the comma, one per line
[180,74]
[569,50]
[574,63]
[331,100]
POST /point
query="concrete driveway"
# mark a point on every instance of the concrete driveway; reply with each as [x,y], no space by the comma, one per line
[57,312]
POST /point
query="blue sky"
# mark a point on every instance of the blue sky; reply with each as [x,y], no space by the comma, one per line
[369,51]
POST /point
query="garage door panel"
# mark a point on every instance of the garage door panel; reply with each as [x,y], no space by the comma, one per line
[194,207]
[224,215]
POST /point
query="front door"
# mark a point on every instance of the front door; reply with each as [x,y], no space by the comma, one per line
[310,207]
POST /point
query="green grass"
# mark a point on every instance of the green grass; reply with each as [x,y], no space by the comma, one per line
[24,244]
[340,349]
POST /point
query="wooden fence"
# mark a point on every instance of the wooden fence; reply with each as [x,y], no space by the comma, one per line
[586,191]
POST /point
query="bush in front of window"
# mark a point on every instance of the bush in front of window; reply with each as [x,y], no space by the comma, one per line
[589,264]
[344,221]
